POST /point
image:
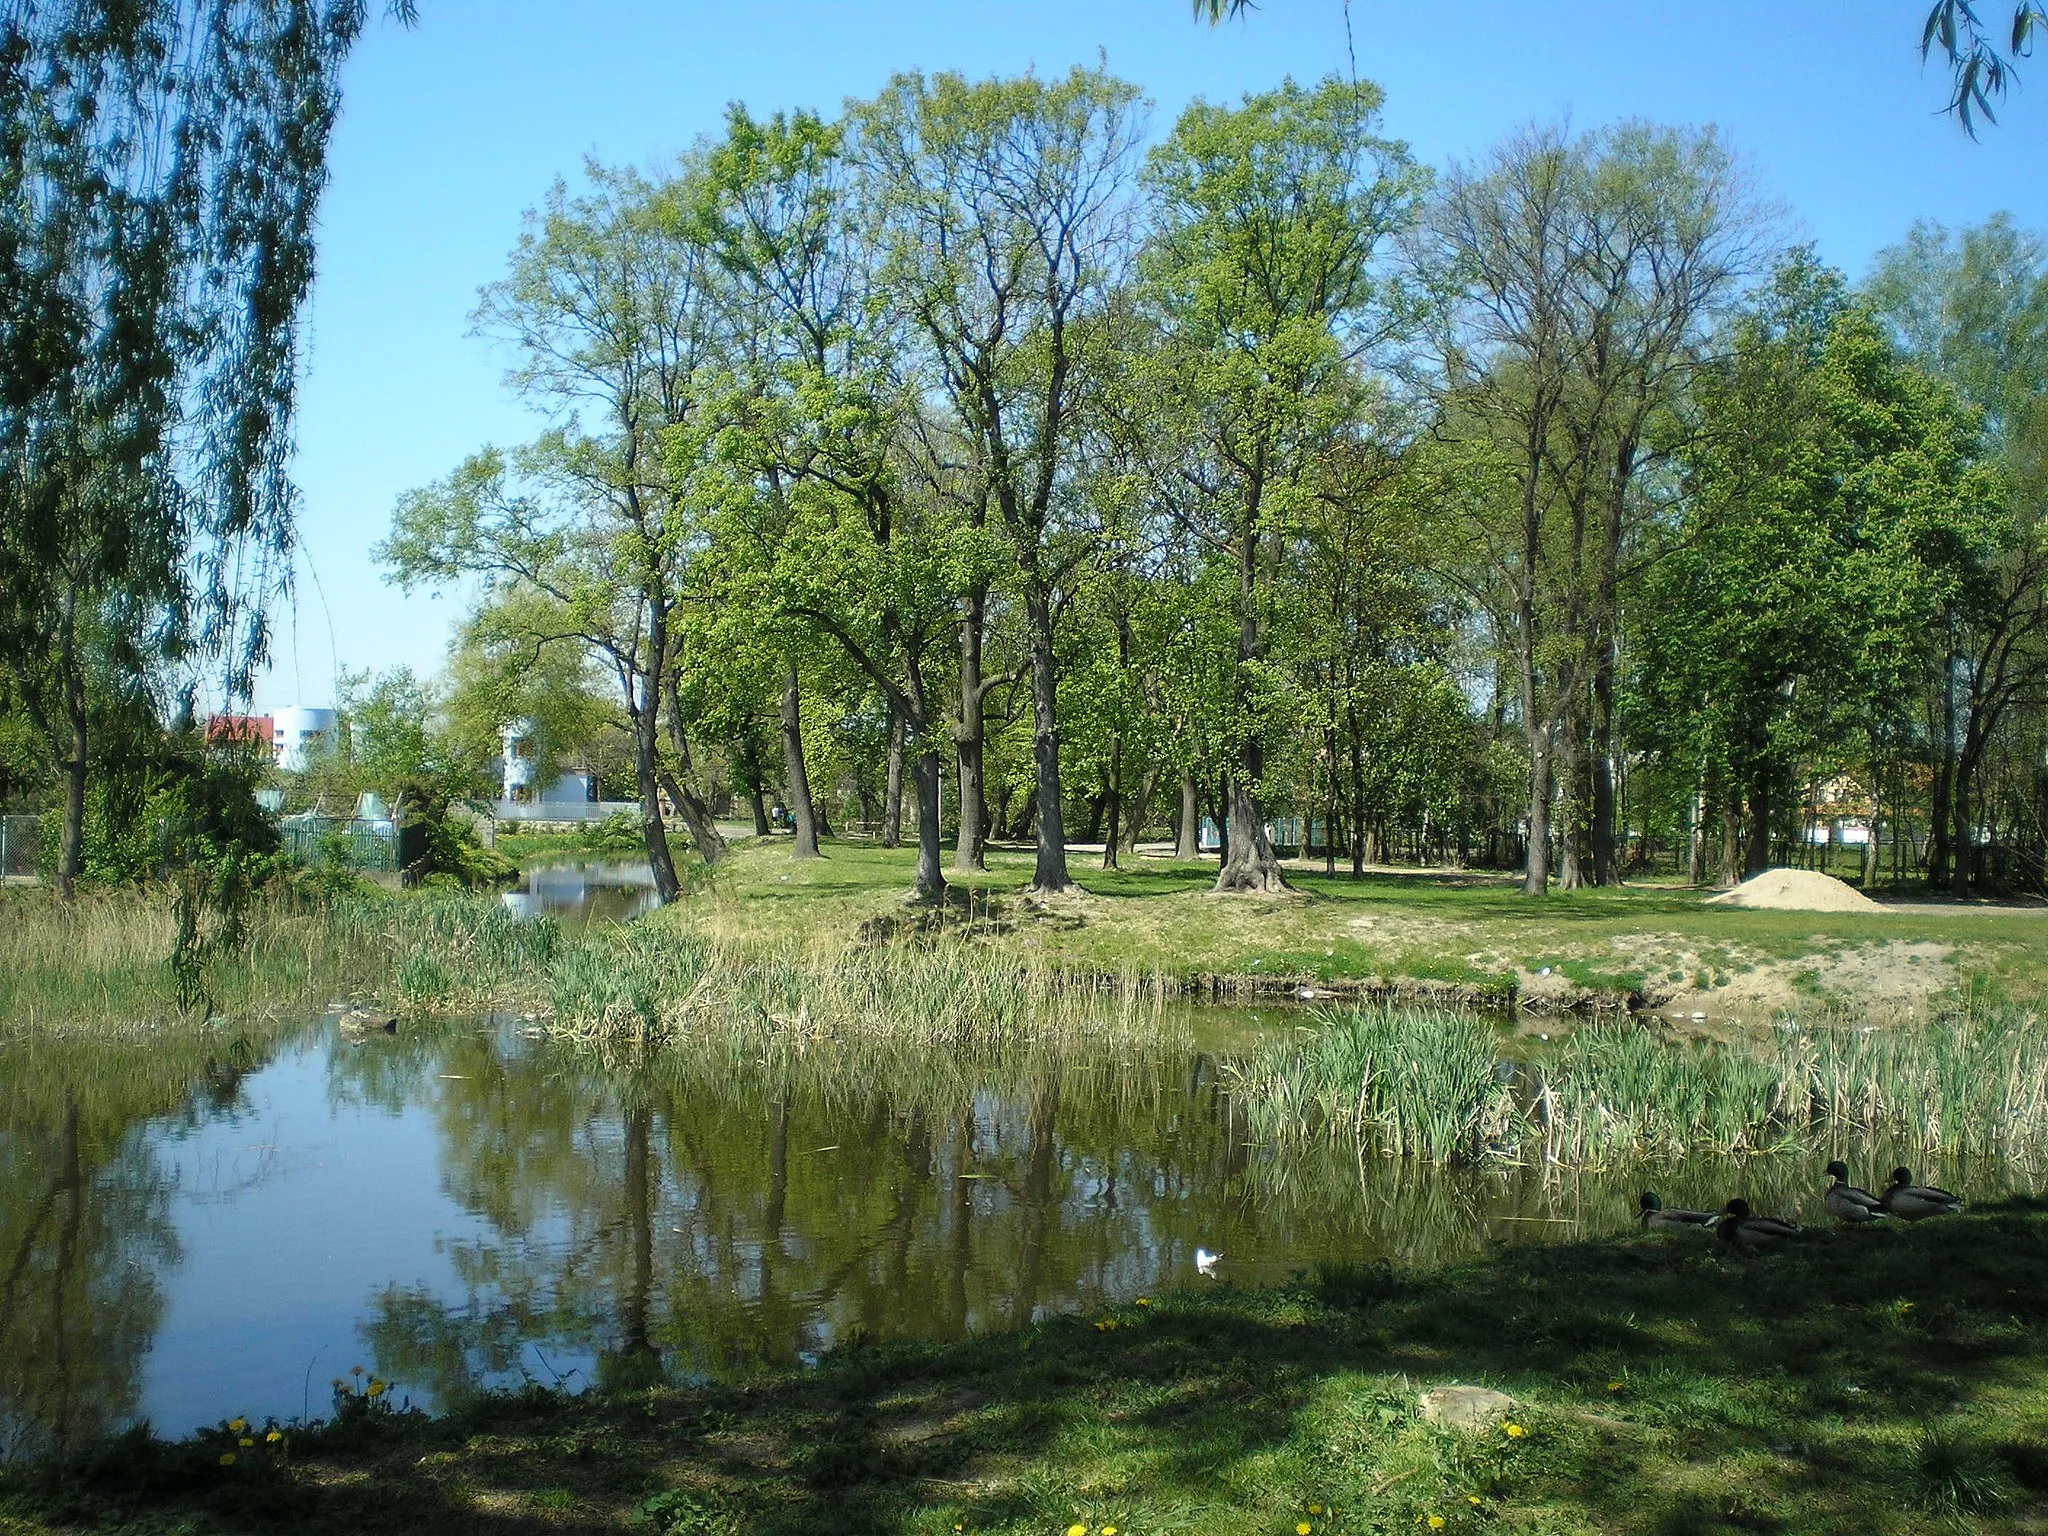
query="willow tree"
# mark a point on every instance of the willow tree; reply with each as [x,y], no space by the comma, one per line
[161,164]
[1267,299]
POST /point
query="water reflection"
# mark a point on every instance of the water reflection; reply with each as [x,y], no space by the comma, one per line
[467,1206]
[601,890]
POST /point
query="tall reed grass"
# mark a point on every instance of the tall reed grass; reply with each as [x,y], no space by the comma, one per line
[1427,1084]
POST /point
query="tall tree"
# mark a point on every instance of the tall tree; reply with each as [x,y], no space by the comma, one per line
[608,313]
[815,437]
[1004,219]
[1266,219]
[1973,311]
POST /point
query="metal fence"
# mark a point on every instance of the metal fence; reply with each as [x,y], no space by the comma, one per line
[369,845]
[21,845]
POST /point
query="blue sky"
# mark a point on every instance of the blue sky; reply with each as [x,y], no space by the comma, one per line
[451,130]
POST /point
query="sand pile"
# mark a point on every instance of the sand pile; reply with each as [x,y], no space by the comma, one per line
[1797,890]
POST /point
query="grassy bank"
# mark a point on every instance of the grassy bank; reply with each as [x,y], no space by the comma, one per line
[1867,1381]
[1465,937]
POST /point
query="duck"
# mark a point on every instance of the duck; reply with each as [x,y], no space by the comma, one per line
[356,1023]
[1752,1234]
[1205,1262]
[1916,1202]
[1848,1204]
[1654,1215]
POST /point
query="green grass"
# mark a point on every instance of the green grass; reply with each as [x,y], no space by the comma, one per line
[1422,1083]
[1876,1382]
[1467,936]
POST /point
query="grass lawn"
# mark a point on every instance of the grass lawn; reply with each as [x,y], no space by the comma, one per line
[1866,1381]
[1409,932]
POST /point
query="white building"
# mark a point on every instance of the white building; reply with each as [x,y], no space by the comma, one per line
[518,737]
[298,733]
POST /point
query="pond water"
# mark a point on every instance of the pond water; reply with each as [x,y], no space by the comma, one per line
[206,1230]
[585,891]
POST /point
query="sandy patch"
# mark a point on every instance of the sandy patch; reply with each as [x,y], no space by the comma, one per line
[1796,890]
[1895,974]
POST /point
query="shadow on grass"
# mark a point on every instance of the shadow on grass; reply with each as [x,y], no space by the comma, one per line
[1866,1380]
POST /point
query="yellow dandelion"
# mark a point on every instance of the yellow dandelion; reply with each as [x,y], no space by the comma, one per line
[1472,1499]
[227,1458]
[238,1425]
[1315,1509]
[274,1436]
[1302,1528]
[1109,1530]
[377,1389]
[1144,1301]
[1077,1529]
[245,1443]
[1514,1431]
[1436,1522]
[1614,1386]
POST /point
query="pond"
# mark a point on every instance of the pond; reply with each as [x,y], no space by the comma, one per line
[208,1229]
[585,891]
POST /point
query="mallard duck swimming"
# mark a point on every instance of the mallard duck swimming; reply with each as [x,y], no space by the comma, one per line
[1752,1234]
[1847,1203]
[1916,1202]
[1655,1215]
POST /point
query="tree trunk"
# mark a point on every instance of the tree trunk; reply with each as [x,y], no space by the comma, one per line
[1963,835]
[930,883]
[1249,863]
[1606,802]
[892,806]
[646,768]
[682,788]
[756,792]
[1187,840]
[1571,805]
[1140,808]
[1536,867]
[1049,875]
[798,776]
[970,735]
[1757,856]
[1113,795]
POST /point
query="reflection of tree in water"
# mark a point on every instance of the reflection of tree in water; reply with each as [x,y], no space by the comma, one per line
[84,1231]
[679,1214]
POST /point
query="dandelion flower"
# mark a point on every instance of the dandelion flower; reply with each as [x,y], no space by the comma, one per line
[377,1389]
[1472,1499]
[1315,1509]
[1614,1386]
[1514,1431]
[238,1425]
[1144,1301]
[1302,1528]
[340,1381]
[1436,1522]
[1077,1529]
[274,1436]
[355,1370]
[1109,1530]
[227,1458]
[245,1443]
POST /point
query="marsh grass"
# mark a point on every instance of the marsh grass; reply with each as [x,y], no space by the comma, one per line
[1426,1083]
